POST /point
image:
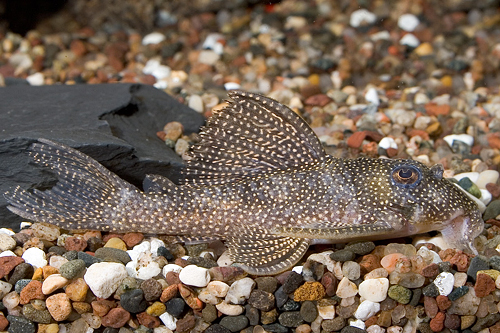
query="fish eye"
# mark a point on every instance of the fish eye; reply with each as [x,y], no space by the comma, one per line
[406,176]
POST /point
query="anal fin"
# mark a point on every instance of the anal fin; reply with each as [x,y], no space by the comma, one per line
[267,255]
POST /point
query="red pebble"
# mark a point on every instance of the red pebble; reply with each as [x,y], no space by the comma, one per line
[437,323]
[148,320]
[116,318]
[75,244]
[430,271]
[443,302]
[430,306]
[484,285]
[8,263]
[3,322]
[33,290]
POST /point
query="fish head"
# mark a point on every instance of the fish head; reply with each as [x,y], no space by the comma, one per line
[418,199]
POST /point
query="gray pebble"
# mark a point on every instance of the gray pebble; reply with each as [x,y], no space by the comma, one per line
[333,325]
[87,258]
[342,255]
[20,325]
[22,271]
[290,319]
[216,328]
[292,282]
[352,329]
[71,255]
[37,316]
[252,314]
[267,283]
[495,262]
[290,305]
[275,328]
[209,313]
[477,264]
[72,269]
[492,210]
[485,322]
[234,323]
[20,284]
[360,248]
[430,290]
[262,300]
[112,255]
[308,311]
[281,297]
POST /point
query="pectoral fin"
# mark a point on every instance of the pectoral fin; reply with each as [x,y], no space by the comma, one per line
[340,233]
[266,255]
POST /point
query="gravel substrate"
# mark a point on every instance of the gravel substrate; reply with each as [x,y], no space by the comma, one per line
[399,79]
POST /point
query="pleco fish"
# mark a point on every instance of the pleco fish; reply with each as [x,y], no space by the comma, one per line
[260,179]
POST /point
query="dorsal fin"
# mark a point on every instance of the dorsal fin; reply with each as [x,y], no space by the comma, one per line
[251,136]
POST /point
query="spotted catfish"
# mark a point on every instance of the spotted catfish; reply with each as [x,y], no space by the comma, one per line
[260,179]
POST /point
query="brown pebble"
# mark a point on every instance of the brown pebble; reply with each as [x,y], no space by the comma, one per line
[434,109]
[168,293]
[148,320]
[81,307]
[384,319]
[75,244]
[494,189]
[173,130]
[101,307]
[33,290]
[115,318]
[9,263]
[443,302]
[132,239]
[186,324]
[318,100]
[369,262]
[430,306]
[309,291]
[49,270]
[493,140]
[3,322]
[437,323]
[466,321]
[452,321]
[109,236]
[371,321]
[460,260]
[226,274]
[172,278]
[484,285]
[330,283]
[495,328]
[430,271]
[304,328]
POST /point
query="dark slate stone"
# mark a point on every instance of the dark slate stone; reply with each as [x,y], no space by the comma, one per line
[352,329]
[281,297]
[216,328]
[458,292]
[115,124]
[291,319]
[163,251]
[430,290]
[133,301]
[234,323]
[20,325]
[292,282]
[176,307]
[112,254]
[477,264]
[22,271]
[89,259]
[275,328]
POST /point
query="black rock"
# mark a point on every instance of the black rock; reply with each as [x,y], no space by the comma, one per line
[343,255]
[292,282]
[458,292]
[163,251]
[115,124]
[22,271]
[275,328]
[290,305]
[352,329]
[281,297]
[262,300]
[59,250]
[267,283]
[176,307]
[430,290]
[291,319]
[20,325]
[252,314]
[234,323]
[477,264]
[133,301]
[216,328]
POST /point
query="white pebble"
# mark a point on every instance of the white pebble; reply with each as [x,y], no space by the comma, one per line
[57,261]
[409,40]
[460,279]
[171,268]
[155,244]
[218,288]
[159,329]
[375,329]
[381,35]
[361,17]
[195,276]
[232,86]
[485,177]
[143,270]
[153,38]
[35,257]
[230,309]
[357,323]
[430,257]
[169,321]
[7,231]
[465,138]
[371,96]
[323,258]
[11,300]
[444,282]
[485,196]
[196,103]
[4,288]
[387,143]
[155,68]
[208,57]
[206,297]
[224,260]
[326,311]
[36,79]
[366,309]
[297,269]
[104,277]
[374,290]
[421,98]
[239,291]
[408,22]
[212,40]
[7,254]
[6,242]
[295,22]
[346,288]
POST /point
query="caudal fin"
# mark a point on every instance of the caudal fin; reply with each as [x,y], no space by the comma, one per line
[87,196]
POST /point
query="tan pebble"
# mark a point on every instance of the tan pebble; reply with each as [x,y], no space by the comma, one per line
[92,320]
[6,242]
[466,321]
[116,243]
[52,328]
[173,130]
[11,300]
[48,271]
[59,306]
[424,49]
[304,328]
[156,309]
[77,290]
[206,297]
[230,309]
[57,261]
[218,288]
[82,307]
[53,282]
[309,291]
[45,231]
[346,288]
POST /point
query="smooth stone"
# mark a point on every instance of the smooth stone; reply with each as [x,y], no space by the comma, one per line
[351,270]
[230,309]
[104,278]
[374,290]
[234,323]
[195,276]
[290,319]
[133,301]
[361,16]
[366,309]
[485,177]
[346,288]
[239,291]
[408,22]
[52,283]
[176,307]
[35,257]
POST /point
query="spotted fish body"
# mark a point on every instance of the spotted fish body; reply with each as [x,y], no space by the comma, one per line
[260,179]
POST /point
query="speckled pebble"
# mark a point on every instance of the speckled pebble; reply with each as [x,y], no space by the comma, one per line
[72,269]
[360,248]
[261,300]
[59,306]
[290,319]
[308,311]
[343,255]
[152,289]
[234,323]
[133,301]
[309,291]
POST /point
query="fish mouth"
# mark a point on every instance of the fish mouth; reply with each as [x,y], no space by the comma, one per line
[461,231]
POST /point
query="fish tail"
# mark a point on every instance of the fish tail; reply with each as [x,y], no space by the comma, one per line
[87,195]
